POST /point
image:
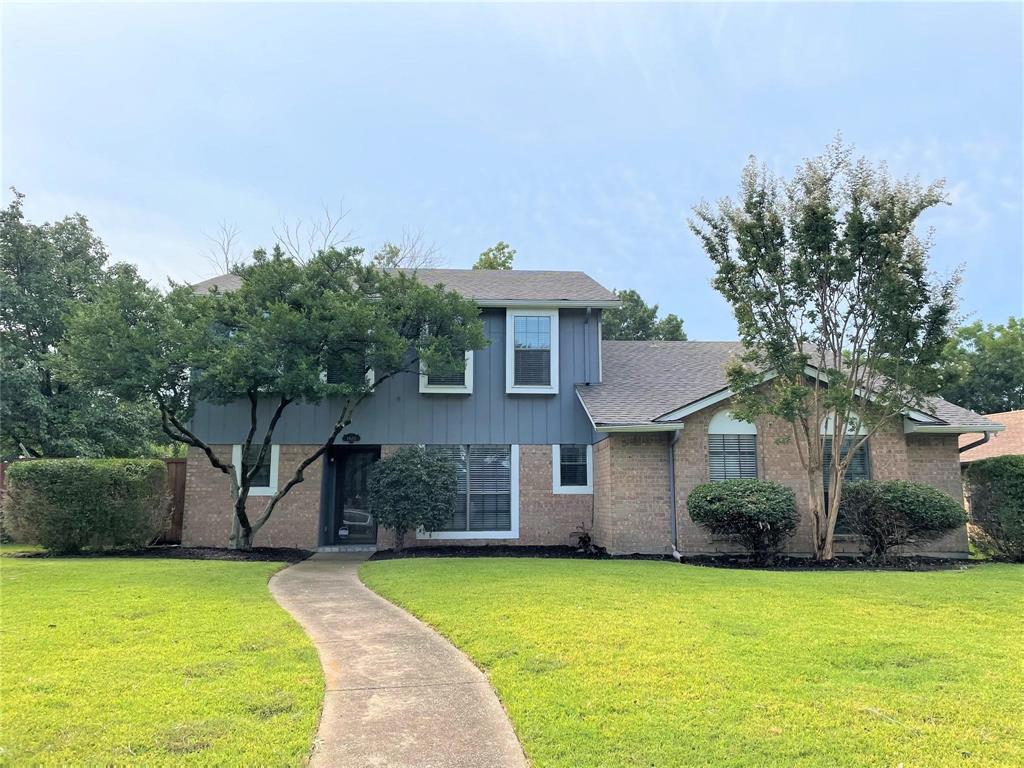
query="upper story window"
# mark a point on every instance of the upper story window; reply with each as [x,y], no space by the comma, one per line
[572,469]
[264,482]
[732,448]
[531,354]
[455,381]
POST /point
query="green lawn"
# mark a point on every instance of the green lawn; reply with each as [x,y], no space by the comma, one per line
[628,663]
[150,662]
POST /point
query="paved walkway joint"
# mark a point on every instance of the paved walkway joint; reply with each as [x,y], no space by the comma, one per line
[398,694]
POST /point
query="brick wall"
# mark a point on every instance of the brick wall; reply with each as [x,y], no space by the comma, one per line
[631,484]
[208,510]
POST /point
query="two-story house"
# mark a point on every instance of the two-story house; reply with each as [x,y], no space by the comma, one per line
[551,429]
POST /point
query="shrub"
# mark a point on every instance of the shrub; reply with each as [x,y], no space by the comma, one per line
[411,488]
[69,504]
[996,489]
[756,514]
[896,512]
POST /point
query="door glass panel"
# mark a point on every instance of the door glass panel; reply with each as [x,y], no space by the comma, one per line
[354,523]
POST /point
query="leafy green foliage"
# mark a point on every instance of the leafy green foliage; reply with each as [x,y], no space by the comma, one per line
[827,270]
[331,328]
[895,513]
[635,320]
[498,256]
[66,505]
[412,488]
[983,367]
[628,663]
[756,514]
[996,490]
[45,270]
[163,662]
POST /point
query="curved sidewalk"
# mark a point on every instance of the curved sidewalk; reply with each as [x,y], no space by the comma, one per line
[398,694]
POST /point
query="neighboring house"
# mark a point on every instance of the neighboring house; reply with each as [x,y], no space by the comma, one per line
[1009,442]
[551,429]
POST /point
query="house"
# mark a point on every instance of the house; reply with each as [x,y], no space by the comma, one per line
[552,429]
[1009,442]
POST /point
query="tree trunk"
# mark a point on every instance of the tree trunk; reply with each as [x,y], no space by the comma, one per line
[241,532]
[399,539]
[822,530]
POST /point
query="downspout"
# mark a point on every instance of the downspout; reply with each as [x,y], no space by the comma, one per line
[672,495]
[976,443]
[586,344]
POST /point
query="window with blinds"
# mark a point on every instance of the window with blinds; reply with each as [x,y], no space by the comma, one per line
[262,477]
[484,501]
[532,351]
[732,457]
[573,465]
[858,469]
[452,377]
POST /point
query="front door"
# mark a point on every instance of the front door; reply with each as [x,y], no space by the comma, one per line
[353,523]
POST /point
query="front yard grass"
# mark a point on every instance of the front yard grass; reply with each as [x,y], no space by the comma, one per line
[151,662]
[631,663]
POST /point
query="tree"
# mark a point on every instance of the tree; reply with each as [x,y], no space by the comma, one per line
[498,256]
[828,283]
[45,270]
[983,367]
[635,320]
[412,488]
[411,252]
[329,327]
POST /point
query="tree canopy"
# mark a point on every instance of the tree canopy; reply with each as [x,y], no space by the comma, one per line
[329,327]
[983,367]
[498,256]
[826,270]
[636,320]
[46,270]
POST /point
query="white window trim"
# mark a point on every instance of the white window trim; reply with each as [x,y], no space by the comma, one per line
[512,533]
[510,356]
[556,473]
[448,389]
[275,459]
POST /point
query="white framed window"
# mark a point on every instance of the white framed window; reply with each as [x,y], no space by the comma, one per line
[531,351]
[732,448]
[487,504]
[264,483]
[572,469]
[459,382]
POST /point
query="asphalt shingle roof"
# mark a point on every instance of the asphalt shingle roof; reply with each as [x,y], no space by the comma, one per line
[487,285]
[647,379]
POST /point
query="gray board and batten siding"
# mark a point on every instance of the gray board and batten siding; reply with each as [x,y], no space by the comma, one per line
[397,413]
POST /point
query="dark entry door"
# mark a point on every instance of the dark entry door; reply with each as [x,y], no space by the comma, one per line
[353,523]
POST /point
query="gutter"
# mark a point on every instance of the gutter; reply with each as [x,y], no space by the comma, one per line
[672,495]
[987,436]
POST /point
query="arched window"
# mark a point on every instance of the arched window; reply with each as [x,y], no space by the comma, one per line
[732,448]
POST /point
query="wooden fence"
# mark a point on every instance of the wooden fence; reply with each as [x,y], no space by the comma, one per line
[175,487]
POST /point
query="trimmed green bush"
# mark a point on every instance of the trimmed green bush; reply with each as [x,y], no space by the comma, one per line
[756,514]
[895,513]
[413,488]
[996,489]
[66,505]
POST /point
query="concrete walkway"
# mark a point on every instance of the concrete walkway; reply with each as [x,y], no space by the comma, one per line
[398,694]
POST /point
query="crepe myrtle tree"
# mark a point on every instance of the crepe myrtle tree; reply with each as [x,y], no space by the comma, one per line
[330,327]
[842,325]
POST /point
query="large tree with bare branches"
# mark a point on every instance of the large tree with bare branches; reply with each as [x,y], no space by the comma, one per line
[330,327]
[843,326]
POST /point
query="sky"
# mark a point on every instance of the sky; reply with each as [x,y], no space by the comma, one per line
[582,135]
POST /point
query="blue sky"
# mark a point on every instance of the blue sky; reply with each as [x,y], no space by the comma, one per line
[581,135]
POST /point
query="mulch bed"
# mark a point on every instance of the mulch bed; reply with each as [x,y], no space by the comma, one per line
[708,561]
[256,554]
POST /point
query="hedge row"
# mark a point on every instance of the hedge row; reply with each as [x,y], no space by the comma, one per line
[70,504]
[996,489]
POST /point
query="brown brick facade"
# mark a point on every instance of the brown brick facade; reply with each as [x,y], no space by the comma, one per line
[207,521]
[631,484]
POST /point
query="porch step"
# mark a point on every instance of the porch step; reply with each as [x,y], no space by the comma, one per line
[348,548]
